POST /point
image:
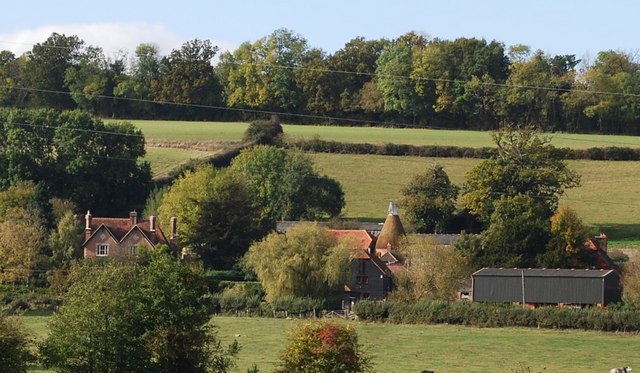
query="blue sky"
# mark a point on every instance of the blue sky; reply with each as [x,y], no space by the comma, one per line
[583,28]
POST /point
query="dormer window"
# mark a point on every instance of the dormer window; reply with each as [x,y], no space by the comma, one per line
[102,249]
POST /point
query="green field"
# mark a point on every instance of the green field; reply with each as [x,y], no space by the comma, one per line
[164,160]
[225,131]
[606,201]
[443,348]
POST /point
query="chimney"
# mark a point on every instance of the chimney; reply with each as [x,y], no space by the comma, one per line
[134,217]
[152,223]
[602,241]
[174,228]
[87,226]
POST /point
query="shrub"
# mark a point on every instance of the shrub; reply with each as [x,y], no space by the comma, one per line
[14,347]
[323,347]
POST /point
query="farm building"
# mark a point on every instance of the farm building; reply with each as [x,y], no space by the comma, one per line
[546,286]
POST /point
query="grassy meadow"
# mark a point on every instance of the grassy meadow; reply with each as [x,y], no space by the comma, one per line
[443,348]
[606,201]
[228,131]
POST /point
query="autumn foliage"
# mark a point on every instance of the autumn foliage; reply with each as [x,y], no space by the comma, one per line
[324,347]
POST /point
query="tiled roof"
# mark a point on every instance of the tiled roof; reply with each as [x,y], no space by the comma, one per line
[358,239]
[119,227]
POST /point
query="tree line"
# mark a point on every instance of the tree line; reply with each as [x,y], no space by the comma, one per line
[412,80]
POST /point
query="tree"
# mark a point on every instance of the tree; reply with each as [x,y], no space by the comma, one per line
[517,235]
[262,75]
[524,164]
[451,64]
[429,200]
[264,132]
[126,317]
[217,218]
[324,347]
[400,92]
[73,155]
[22,233]
[187,76]
[14,346]
[433,271]
[296,263]
[566,246]
[46,66]
[145,74]
[285,184]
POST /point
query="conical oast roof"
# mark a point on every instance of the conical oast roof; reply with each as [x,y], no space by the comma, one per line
[392,231]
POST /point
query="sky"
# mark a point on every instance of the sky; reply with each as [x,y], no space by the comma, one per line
[580,27]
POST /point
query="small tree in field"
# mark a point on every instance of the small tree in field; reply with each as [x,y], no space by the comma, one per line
[323,347]
[14,349]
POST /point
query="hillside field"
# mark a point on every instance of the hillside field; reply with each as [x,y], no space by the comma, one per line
[443,348]
[228,131]
[606,201]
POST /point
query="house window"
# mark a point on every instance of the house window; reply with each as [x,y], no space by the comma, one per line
[362,279]
[361,266]
[102,249]
[133,250]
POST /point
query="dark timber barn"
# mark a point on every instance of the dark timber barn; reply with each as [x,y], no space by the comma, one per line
[546,286]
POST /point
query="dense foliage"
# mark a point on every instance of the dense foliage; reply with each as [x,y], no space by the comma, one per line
[309,263]
[429,200]
[15,351]
[612,318]
[73,155]
[217,216]
[323,347]
[412,80]
[286,186]
[433,271]
[128,317]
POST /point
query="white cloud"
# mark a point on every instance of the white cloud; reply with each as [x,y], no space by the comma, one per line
[113,38]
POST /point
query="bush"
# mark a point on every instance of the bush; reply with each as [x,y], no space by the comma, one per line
[323,347]
[14,346]
[264,132]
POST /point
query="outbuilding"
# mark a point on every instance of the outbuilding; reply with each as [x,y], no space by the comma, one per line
[546,286]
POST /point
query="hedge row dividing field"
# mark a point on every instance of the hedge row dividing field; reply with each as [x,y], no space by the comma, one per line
[443,348]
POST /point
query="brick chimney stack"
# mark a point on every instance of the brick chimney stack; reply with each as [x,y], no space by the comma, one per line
[87,226]
[174,228]
[602,242]
[152,223]
[134,218]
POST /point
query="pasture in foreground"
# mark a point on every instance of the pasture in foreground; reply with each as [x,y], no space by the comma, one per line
[443,348]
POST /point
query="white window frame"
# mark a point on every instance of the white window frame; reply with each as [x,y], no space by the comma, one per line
[133,250]
[104,246]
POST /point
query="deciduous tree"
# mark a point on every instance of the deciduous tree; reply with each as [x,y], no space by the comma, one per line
[524,164]
[429,199]
[125,317]
[14,345]
[286,186]
[217,217]
[302,262]
[433,271]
